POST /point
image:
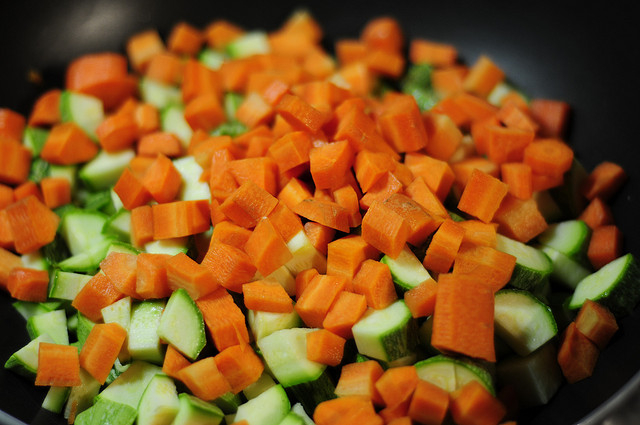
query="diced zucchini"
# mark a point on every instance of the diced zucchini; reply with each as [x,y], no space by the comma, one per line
[210,58]
[387,334]
[193,411]
[532,268]
[523,321]
[570,237]
[249,44]
[27,309]
[264,323]
[284,277]
[66,285]
[406,270]
[566,270]
[81,396]
[269,408]
[305,255]
[68,172]
[84,110]
[34,139]
[55,399]
[168,246]
[172,121]
[299,410]
[107,412]
[82,229]
[615,286]
[35,260]
[451,373]
[181,324]
[192,189]
[159,403]
[232,102]
[144,342]
[104,169]
[130,385]
[89,260]
[84,328]
[119,225]
[53,323]
[158,94]
[25,360]
[261,385]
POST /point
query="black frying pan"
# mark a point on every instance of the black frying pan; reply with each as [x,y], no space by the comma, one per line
[583,52]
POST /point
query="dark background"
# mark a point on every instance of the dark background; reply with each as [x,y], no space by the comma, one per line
[585,54]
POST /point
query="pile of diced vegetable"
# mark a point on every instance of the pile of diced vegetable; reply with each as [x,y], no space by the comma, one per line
[238,226]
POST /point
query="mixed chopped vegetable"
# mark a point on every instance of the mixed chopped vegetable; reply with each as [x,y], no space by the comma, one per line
[232,226]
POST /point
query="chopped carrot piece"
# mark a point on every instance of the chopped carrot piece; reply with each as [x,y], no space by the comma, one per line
[421,300]
[604,181]
[605,245]
[519,219]
[266,248]
[131,191]
[204,379]
[482,195]
[433,53]
[141,225]
[421,223]
[596,214]
[183,272]
[429,403]
[329,164]
[483,77]
[444,247]
[121,269]
[577,355]
[230,266]
[100,350]
[373,280]
[58,365]
[485,263]
[549,157]
[68,144]
[151,276]
[159,142]
[402,124]
[473,404]
[224,319]
[173,362]
[359,379]
[117,132]
[28,284]
[143,46]
[551,115]
[326,213]
[345,255]
[162,180]
[46,109]
[240,366]
[180,218]
[56,191]
[396,385]
[32,224]
[248,204]
[184,39]
[319,235]
[325,347]
[596,322]
[347,309]
[267,296]
[385,229]
[316,300]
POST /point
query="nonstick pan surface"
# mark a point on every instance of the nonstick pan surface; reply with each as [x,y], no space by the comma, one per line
[585,53]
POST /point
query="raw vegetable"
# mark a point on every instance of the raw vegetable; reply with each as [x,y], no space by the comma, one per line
[272,227]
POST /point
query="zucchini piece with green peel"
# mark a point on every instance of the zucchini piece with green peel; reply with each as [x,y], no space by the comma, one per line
[387,334]
[566,270]
[25,360]
[210,58]
[193,411]
[158,94]
[523,321]
[406,270]
[89,260]
[119,225]
[159,403]
[107,412]
[264,323]
[533,266]
[535,378]
[249,44]
[168,246]
[35,260]
[144,342]
[299,410]
[82,229]
[55,399]
[105,168]
[53,323]
[81,397]
[130,385]
[84,110]
[192,189]
[312,393]
[261,385]
[27,309]
[616,286]
[269,408]
[34,139]
[451,373]
[66,285]
[172,121]
[181,324]
[570,237]
[292,418]
[68,172]
[304,255]
[84,328]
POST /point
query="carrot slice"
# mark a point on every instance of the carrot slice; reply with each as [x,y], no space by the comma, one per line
[358,379]
[605,245]
[421,300]
[100,350]
[266,296]
[596,322]
[487,264]
[240,366]
[421,223]
[224,319]
[28,284]
[429,403]
[185,39]
[329,164]
[183,272]
[396,385]
[248,204]
[162,180]
[180,218]
[520,220]
[347,309]
[345,255]
[473,401]
[483,76]
[373,280]
[96,294]
[549,157]
[151,276]
[56,191]
[385,229]
[482,195]
[8,261]
[266,248]
[604,181]
[204,379]
[433,53]
[117,132]
[577,355]
[32,224]
[316,300]
[121,269]
[46,109]
[325,347]
[173,362]
[326,213]
[596,214]
[58,365]
[444,247]
[230,266]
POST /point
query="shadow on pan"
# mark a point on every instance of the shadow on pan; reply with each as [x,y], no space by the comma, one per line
[584,55]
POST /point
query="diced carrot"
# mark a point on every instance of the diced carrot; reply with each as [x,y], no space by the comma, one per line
[160,142]
[491,266]
[303,279]
[220,33]
[463,169]
[396,385]
[402,124]
[540,182]
[117,132]
[373,280]
[316,300]
[604,181]
[26,189]
[162,179]
[596,322]
[505,144]
[358,379]
[429,403]
[300,114]
[100,350]
[6,196]
[483,77]
[577,355]
[474,405]
[402,420]
[224,319]
[419,191]
[184,39]
[230,266]
[165,67]
[551,115]
[141,225]
[8,261]
[449,80]
[463,317]
[180,218]
[198,80]
[514,116]
[32,224]
[147,118]
[346,410]
[151,276]
[482,195]
[139,164]
[421,300]
[96,294]
[355,126]
[478,233]
[344,255]
[451,108]
[204,112]
[46,109]
[329,164]
[597,213]
[56,191]
[325,347]
[386,63]
[443,247]
[517,176]
[240,365]
[421,223]
[605,245]
[433,53]
[385,229]
[6,236]
[382,189]
[286,222]
[319,235]
[183,272]
[549,157]
[480,132]
[345,312]
[173,362]
[231,234]
[326,213]
[120,268]
[28,284]
[437,174]
[266,248]
[262,295]
[234,74]
[370,167]
[350,51]
[261,171]
[519,219]
[58,365]
[444,136]
[347,198]
[143,46]
[475,108]
[15,161]
[254,111]
[383,33]
[131,191]
[204,379]
[291,150]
